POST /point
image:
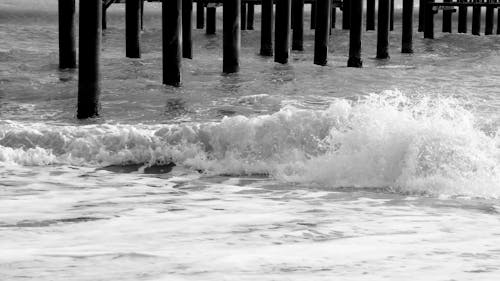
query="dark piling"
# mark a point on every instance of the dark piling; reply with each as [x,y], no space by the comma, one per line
[488,25]
[89,74]
[384,10]
[346,14]
[187,26]
[142,14]
[421,15]
[243,17]
[231,36]
[67,40]
[334,16]
[476,20]
[133,28]
[298,25]
[498,21]
[391,27]
[429,20]
[447,18]
[322,33]
[407,37]
[462,19]
[250,16]
[172,49]
[266,37]
[200,15]
[282,33]
[370,15]
[104,16]
[211,20]
[356,8]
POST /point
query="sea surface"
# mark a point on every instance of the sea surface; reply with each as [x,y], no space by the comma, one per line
[279,172]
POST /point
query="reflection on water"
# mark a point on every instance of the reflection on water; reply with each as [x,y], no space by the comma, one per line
[67,75]
[176,109]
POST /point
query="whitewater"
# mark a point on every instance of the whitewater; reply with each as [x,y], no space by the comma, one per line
[294,172]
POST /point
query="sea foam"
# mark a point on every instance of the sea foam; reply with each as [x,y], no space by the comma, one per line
[408,144]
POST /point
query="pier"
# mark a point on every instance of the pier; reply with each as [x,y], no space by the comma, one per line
[282,30]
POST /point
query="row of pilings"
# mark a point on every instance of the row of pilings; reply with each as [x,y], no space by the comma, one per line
[177,30]
[429,8]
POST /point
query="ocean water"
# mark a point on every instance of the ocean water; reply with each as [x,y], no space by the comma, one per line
[280,172]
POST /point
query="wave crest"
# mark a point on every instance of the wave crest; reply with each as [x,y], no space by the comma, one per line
[411,144]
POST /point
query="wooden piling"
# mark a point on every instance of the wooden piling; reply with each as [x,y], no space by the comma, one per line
[313,15]
[104,16]
[89,74]
[407,37]
[356,8]
[231,35]
[67,40]
[322,33]
[391,26]
[346,14]
[334,16]
[133,28]
[211,20]
[200,15]
[370,15]
[476,20]
[298,25]
[429,20]
[266,37]
[105,6]
[488,25]
[384,10]
[421,15]
[243,17]
[282,33]
[172,49]
[250,16]
[462,18]
[187,26]
[498,21]
[447,19]
[142,14]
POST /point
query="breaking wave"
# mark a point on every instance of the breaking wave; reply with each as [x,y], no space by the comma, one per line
[408,144]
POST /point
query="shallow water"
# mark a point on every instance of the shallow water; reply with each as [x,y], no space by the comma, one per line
[290,172]
[182,227]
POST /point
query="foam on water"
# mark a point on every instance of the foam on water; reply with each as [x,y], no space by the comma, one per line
[408,144]
[75,203]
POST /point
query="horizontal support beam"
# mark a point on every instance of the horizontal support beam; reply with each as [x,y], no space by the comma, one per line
[339,3]
[107,3]
[444,8]
[462,4]
[258,2]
